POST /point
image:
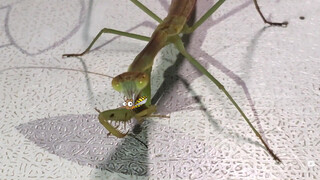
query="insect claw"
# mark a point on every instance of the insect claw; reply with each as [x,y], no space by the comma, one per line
[126,133]
[108,134]
[159,116]
[97,110]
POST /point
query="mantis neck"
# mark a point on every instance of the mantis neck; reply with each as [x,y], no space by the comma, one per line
[172,25]
[144,60]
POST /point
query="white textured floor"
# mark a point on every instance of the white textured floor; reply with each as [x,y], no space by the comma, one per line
[49,128]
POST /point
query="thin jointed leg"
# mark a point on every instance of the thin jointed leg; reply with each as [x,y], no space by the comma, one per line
[121,33]
[159,116]
[111,31]
[147,10]
[203,18]
[194,62]
[284,24]
[216,6]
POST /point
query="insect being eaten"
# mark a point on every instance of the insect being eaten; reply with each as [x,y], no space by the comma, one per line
[132,104]
[135,83]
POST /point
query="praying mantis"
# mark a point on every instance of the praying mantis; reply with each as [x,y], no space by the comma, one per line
[135,83]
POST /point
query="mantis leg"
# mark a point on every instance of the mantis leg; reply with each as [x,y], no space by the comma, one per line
[179,44]
[147,10]
[159,116]
[216,6]
[284,24]
[145,113]
[111,31]
[203,18]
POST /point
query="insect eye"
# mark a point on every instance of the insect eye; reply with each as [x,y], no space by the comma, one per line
[117,85]
[130,104]
[124,104]
[142,81]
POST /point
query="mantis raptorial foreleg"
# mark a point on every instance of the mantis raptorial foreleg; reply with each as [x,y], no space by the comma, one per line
[111,31]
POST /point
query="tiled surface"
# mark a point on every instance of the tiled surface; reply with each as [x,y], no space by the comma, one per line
[49,129]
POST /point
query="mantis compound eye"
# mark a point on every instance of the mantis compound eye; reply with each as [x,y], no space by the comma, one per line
[116,85]
[130,103]
[124,103]
[142,81]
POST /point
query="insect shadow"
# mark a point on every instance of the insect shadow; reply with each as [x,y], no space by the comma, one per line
[82,139]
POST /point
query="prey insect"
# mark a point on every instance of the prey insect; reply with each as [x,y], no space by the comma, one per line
[136,81]
[132,104]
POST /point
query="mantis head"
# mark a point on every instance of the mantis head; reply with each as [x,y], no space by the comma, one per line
[130,83]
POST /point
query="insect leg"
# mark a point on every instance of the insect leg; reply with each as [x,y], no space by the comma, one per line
[284,24]
[138,140]
[112,130]
[145,113]
[109,127]
[188,30]
[216,6]
[195,63]
[111,31]
[147,10]
[159,116]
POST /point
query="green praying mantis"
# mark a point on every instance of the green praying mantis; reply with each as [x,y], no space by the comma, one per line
[135,83]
